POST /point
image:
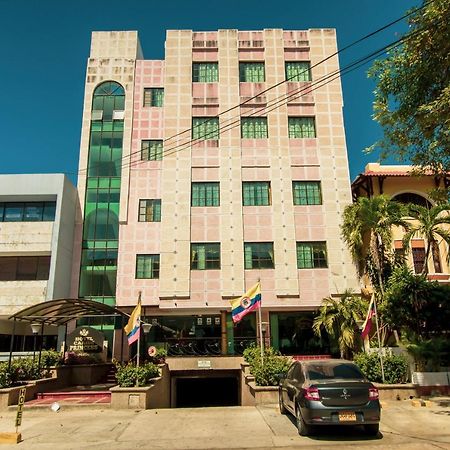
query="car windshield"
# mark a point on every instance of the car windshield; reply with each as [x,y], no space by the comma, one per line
[329,371]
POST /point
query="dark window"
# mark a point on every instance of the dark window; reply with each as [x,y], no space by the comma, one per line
[149,210]
[147,266]
[15,268]
[205,72]
[252,72]
[301,127]
[298,71]
[205,128]
[27,211]
[330,371]
[152,150]
[311,255]
[254,128]
[205,256]
[259,255]
[415,199]
[418,255]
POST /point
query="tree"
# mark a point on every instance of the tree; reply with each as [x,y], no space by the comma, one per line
[339,317]
[412,96]
[427,223]
[367,231]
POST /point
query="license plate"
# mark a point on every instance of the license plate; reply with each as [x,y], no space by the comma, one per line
[347,417]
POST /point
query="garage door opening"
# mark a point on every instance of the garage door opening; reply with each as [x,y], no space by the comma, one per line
[206,391]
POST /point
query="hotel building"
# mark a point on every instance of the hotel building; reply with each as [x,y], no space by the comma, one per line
[200,174]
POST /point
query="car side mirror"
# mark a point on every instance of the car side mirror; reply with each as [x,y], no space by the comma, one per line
[280,376]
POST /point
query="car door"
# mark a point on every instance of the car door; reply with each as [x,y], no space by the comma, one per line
[286,386]
[298,381]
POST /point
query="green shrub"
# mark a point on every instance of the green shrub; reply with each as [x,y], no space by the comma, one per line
[395,367]
[159,357]
[74,358]
[129,375]
[5,376]
[266,372]
[51,358]
[24,369]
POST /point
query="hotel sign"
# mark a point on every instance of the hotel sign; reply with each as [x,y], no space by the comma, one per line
[85,339]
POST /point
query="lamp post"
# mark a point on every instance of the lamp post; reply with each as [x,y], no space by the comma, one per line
[35,327]
[264,331]
[146,327]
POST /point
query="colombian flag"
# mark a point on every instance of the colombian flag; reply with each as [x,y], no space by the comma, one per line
[133,327]
[250,301]
[368,322]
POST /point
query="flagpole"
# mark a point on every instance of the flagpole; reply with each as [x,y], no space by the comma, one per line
[378,336]
[261,343]
[139,336]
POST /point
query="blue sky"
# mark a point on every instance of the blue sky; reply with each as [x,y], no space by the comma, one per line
[45,44]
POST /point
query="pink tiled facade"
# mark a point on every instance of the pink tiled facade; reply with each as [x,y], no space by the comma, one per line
[230,161]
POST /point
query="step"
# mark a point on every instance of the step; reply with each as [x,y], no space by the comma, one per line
[72,394]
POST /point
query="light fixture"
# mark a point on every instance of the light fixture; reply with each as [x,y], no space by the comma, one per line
[264,326]
[35,327]
[147,327]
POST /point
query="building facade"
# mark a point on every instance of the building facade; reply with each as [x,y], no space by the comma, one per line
[207,171]
[37,217]
[401,184]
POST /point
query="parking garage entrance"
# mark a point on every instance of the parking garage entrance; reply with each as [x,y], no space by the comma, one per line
[216,388]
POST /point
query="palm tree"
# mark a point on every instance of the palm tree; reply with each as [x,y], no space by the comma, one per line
[367,231]
[427,223]
[339,317]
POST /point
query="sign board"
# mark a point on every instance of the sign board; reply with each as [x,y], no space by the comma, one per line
[204,364]
[20,407]
[85,339]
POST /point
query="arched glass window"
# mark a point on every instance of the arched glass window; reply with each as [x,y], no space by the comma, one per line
[108,97]
[415,199]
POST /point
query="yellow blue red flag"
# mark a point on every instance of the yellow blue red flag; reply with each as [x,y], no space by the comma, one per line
[249,302]
[133,327]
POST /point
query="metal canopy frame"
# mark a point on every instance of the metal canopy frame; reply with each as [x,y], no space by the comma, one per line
[60,312]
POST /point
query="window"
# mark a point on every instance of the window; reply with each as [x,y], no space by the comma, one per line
[27,211]
[152,150]
[311,255]
[254,127]
[418,254]
[205,128]
[259,255]
[16,268]
[149,210]
[205,194]
[306,192]
[301,127]
[256,193]
[154,97]
[415,199]
[252,72]
[436,257]
[205,72]
[298,71]
[205,256]
[147,266]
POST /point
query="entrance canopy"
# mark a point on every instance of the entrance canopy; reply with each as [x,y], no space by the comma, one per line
[62,311]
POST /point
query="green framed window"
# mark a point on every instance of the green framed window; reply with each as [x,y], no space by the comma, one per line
[311,255]
[307,192]
[258,255]
[252,72]
[254,128]
[205,128]
[256,193]
[301,127]
[152,150]
[147,266]
[205,72]
[205,194]
[298,71]
[150,210]
[154,97]
[205,256]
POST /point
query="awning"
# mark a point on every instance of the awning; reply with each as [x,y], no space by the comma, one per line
[62,311]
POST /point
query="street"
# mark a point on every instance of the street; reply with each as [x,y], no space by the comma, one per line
[403,427]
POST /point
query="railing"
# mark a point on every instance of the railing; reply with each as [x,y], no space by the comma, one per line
[193,347]
[240,344]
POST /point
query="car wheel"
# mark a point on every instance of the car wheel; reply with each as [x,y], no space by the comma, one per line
[303,428]
[283,409]
[372,429]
